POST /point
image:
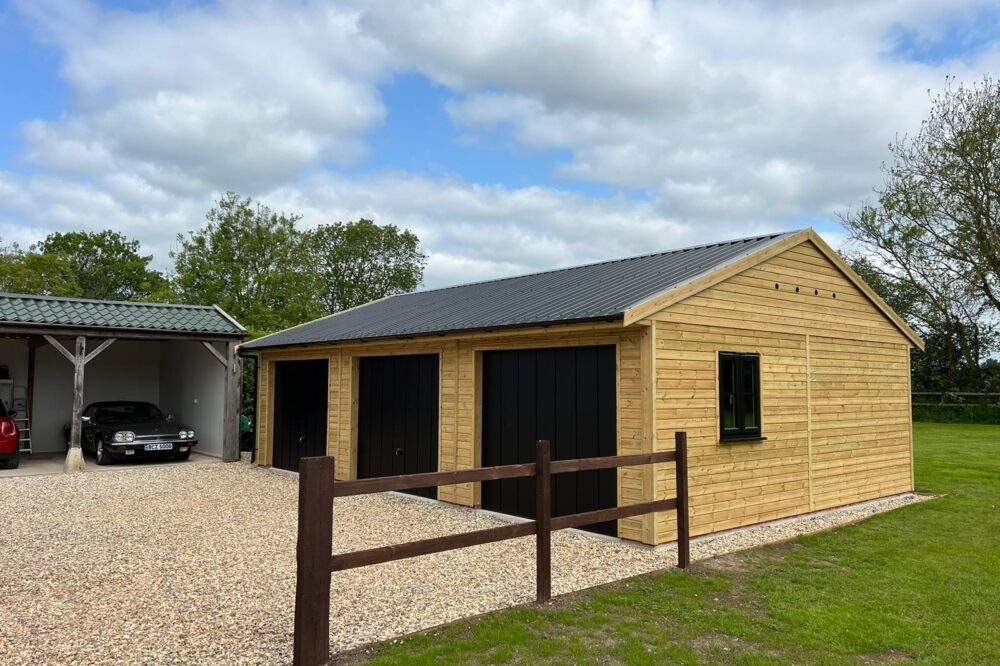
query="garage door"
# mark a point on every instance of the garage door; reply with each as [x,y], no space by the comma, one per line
[398,416]
[566,396]
[300,403]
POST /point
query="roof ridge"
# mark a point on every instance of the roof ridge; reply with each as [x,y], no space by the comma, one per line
[73,299]
[732,241]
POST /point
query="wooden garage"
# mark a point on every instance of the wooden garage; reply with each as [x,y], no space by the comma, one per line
[789,374]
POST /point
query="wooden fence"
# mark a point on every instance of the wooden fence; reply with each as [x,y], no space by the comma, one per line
[316,561]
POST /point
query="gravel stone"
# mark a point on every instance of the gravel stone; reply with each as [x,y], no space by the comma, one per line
[195,564]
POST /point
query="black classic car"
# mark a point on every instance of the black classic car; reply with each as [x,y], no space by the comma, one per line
[115,430]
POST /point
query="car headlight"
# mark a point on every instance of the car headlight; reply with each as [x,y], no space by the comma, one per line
[183,434]
[190,434]
[125,436]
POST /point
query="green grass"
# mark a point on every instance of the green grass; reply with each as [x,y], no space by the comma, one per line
[916,585]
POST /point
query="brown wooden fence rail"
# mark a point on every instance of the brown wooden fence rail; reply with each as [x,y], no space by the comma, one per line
[316,562]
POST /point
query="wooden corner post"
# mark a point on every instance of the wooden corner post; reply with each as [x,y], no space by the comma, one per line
[683,519]
[74,455]
[312,554]
[543,522]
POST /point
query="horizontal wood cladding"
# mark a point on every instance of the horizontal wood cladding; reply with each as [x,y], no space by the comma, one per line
[834,394]
[861,428]
[734,483]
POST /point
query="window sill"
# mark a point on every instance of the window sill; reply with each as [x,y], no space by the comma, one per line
[742,440]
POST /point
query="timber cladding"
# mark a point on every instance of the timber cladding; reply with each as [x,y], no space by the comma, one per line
[833,395]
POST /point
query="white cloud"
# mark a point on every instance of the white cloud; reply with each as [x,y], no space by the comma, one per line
[193,98]
[734,118]
[765,108]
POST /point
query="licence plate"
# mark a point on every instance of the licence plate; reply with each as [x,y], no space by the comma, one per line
[159,446]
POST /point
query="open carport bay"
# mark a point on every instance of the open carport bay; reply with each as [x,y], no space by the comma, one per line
[179,376]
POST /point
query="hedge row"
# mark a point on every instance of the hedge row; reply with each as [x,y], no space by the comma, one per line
[986,414]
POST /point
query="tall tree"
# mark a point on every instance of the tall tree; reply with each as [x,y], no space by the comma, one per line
[32,273]
[253,262]
[935,225]
[958,330]
[362,261]
[106,264]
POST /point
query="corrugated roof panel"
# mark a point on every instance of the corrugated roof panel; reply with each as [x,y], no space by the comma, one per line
[597,291]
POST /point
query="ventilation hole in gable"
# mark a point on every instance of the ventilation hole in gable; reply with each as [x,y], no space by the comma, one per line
[777,286]
[796,290]
[835,295]
[815,292]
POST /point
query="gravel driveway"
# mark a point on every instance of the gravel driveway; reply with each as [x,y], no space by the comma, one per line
[196,564]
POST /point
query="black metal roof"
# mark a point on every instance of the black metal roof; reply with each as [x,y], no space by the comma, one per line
[593,292]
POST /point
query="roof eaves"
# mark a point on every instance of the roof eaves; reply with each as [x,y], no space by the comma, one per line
[433,334]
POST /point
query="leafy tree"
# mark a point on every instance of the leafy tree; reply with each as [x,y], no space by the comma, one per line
[32,273]
[358,262]
[106,264]
[934,232]
[251,261]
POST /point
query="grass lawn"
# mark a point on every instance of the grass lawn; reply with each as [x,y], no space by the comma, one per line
[920,584]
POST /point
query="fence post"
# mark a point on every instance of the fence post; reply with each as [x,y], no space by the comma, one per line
[543,522]
[312,554]
[683,524]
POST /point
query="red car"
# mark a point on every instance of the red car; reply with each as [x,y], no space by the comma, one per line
[10,439]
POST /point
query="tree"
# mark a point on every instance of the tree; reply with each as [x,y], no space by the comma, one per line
[358,262]
[934,230]
[32,273]
[106,264]
[251,261]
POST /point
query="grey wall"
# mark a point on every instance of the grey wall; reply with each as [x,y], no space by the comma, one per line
[127,370]
[14,354]
[192,388]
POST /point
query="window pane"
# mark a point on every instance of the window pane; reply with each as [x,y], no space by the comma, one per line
[749,374]
[727,374]
[749,410]
[727,390]
[728,411]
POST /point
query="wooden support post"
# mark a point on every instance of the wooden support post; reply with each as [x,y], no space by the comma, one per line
[683,524]
[231,409]
[313,552]
[74,456]
[543,522]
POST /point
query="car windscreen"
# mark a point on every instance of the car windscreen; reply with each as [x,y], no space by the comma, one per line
[129,411]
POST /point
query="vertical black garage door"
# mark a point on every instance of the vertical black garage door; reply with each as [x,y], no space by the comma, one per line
[398,416]
[300,404]
[566,396]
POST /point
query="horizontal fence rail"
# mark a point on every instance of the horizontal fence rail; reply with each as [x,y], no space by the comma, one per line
[317,488]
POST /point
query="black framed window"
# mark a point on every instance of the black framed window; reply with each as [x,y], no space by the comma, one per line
[739,395]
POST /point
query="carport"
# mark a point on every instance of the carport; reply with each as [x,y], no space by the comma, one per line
[59,354]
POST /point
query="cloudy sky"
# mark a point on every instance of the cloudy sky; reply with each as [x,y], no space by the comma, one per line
[510,136]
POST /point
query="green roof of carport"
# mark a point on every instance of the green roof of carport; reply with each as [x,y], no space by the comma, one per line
[28,310]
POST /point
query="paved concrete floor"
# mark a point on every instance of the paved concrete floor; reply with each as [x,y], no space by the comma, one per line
[36,464]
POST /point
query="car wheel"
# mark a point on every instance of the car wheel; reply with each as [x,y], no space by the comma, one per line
[102,455]
[182,455]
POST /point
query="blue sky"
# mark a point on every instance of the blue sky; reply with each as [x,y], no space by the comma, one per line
[510,139]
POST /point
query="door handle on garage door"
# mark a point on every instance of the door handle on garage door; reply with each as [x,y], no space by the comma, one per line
[399,452]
